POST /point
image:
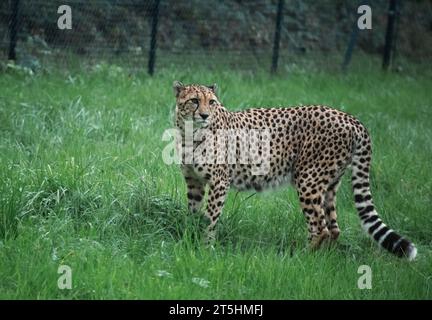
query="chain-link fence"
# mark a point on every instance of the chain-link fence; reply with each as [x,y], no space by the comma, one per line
[143,34]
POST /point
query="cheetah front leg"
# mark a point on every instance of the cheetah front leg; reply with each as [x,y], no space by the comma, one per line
[215,202]
[195,193]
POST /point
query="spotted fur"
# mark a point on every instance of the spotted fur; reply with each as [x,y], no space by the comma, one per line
[310,147]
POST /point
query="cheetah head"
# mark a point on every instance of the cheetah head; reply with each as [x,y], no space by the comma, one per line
[195,103]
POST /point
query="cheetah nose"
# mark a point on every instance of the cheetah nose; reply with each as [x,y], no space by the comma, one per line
[204,115]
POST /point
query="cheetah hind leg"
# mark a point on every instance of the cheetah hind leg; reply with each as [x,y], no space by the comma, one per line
[317,241]
[313,210]
[330,210]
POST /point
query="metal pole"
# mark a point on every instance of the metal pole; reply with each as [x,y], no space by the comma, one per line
[13,27]
[353,39]
[275,57]
[389,34]
[152,52]
[350,48]
[396,31]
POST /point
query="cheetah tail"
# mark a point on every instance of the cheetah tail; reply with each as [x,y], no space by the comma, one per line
[370,220]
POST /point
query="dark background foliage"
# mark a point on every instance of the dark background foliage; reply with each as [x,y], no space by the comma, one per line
[234,28]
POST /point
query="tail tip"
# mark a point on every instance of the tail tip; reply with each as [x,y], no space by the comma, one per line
[412,252]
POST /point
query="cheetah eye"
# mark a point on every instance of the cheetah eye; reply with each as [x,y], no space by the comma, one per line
[212,102]
[194,101]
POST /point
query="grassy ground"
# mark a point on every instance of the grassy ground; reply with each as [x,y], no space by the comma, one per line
[83,184]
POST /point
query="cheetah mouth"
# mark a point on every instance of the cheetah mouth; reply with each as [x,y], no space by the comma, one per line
[201,123]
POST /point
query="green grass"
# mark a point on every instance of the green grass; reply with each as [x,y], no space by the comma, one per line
[83,184]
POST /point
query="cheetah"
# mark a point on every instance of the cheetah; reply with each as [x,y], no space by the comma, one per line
[309,147]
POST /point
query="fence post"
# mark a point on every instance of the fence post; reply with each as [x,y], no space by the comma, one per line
[275,57]
[13,27]
[399,8]
[154,25]
[388,48]
[353,39]
[350,48]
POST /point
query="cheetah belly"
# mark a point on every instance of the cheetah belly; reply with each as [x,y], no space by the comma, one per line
[241,182]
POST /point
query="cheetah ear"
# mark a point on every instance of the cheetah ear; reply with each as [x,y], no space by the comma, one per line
[177,87]
[213,88]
